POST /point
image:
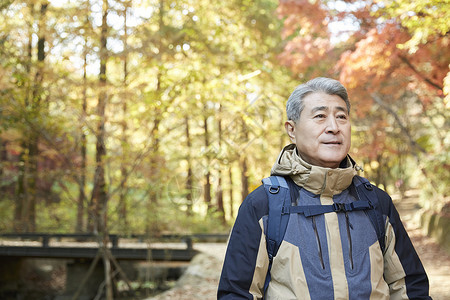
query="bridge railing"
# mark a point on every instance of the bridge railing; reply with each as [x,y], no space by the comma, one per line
[46,237]
[188,239]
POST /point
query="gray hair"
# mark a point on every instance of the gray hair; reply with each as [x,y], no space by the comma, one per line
[295,104]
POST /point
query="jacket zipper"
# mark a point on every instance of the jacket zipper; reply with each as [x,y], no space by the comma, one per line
[318,242]
[350,246]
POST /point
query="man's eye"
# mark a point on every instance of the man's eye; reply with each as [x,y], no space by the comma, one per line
[320,116]
[344,117]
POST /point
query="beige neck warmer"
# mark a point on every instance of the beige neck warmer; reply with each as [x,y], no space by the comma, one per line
[318,180]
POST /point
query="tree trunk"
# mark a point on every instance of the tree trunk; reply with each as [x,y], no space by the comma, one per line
[244,177]
[99,192]
[219,194]
[244,167]
[189,179]
[3,159]
[207,186]
[220,206]
[154,159]
[230,175]
[107,270]
[21,191]
[123,217]
[152,226]
[81,189]
[21,195]
[29,210]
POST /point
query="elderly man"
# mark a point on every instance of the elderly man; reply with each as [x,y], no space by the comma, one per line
[334,254]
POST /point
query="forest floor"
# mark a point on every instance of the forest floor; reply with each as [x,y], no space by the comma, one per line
[201,278]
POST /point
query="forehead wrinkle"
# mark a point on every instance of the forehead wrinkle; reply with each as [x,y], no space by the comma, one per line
[341,108]
[326,108]
[319,108]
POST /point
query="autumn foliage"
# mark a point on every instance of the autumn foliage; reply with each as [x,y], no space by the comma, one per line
[156,116]
[396,80]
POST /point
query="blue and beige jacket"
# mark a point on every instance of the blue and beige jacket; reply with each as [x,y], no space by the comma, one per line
[330,256]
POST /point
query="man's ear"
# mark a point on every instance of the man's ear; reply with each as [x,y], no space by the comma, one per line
[290,130]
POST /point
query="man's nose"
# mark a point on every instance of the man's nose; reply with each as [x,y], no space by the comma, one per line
[332,126]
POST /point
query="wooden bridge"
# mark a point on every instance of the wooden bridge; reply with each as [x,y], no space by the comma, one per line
[140,251]
[79,251]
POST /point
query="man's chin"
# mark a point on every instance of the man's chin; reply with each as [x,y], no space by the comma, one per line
[332,161]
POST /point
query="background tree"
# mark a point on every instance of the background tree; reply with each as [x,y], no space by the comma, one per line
[170,95]
[381,59]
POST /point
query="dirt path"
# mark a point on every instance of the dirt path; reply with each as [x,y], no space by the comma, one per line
[435,260]
[201,279]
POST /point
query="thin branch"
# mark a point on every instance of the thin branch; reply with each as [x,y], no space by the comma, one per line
[101,287]
[119,270]
[88,274]
[422,76]
[405,131]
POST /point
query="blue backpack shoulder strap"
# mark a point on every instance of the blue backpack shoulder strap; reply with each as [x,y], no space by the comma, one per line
[365,191]
[279,195]
[282,195]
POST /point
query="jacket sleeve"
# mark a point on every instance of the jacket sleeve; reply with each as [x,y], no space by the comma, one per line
[403,270]
[245,265]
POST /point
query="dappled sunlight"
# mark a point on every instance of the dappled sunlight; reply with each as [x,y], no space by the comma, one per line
[159,117]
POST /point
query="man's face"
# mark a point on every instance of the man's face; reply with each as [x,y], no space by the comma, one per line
[323,133]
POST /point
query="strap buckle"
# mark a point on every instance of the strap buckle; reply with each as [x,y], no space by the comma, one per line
[339,207]
[274,190]
[368,186]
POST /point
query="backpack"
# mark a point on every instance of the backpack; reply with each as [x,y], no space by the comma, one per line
[282,194]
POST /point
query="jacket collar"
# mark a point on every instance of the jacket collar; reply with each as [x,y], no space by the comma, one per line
[318,180]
